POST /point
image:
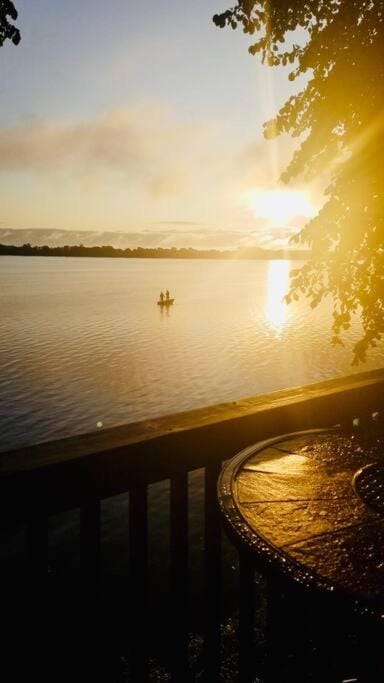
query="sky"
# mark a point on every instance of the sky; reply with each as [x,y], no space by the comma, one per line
[143,120]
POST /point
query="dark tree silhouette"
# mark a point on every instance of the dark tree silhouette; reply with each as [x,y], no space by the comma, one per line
[8,30]
[339,117]
[107,251]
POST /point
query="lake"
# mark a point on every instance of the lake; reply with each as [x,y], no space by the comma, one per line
[83,345]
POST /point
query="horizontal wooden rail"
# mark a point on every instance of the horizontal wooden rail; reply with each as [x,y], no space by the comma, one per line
[55,476]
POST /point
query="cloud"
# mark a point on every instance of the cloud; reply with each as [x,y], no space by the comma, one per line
[178,223]
[299,221]
[152,177]
[261,161]
[275,237]
[143,146]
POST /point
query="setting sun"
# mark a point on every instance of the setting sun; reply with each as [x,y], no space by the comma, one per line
[279,206]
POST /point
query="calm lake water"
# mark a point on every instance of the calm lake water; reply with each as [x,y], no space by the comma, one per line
[83,345]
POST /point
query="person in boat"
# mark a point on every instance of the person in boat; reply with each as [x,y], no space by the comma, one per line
[161,296]
[167,295]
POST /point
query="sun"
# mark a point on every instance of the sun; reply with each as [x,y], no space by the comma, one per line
[280,206]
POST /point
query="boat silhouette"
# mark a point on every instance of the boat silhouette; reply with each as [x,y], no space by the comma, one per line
[165,302]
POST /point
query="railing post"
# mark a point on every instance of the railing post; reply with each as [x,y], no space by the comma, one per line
[138,559]
[246,619]
[179,575]
[25,607]
[90,545]
[37,549]
[365,421]
[212,556]
[275,642]
[93,645]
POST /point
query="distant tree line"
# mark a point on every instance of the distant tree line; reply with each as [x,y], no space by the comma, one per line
[108,251]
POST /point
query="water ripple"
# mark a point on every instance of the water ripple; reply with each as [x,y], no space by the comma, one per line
[82,341]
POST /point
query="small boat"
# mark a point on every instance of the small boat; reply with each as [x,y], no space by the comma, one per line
[165,302]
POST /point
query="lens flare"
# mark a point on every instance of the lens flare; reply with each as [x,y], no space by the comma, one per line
[280,206]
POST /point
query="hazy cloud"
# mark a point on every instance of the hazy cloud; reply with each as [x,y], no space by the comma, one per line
[134,168]
[178,223]
[276,236]
[144,145]
[298,222]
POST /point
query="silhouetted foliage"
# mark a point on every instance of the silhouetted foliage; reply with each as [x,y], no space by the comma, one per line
[8,30]
[339,119]
[147,252]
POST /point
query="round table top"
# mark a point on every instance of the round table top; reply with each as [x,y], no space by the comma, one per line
[311,505]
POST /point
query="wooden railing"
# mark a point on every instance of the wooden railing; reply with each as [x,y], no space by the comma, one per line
[80,471]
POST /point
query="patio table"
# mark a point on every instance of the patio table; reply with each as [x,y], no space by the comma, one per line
[310,506]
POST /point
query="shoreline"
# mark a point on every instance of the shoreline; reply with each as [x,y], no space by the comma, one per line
[173,253]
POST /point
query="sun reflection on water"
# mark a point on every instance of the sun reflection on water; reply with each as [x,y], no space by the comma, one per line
[277,287]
